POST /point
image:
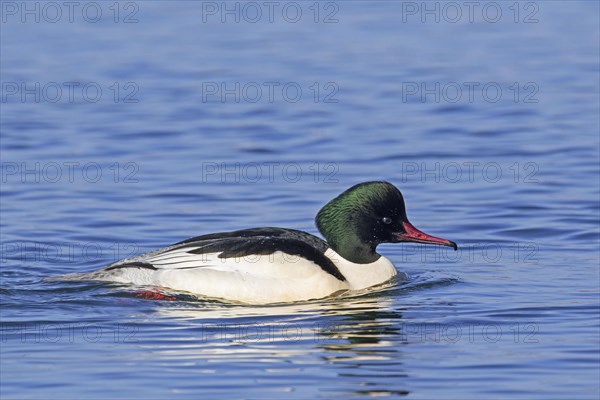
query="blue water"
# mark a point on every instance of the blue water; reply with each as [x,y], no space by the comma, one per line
[182,121]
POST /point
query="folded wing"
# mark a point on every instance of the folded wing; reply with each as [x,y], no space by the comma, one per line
[205,251]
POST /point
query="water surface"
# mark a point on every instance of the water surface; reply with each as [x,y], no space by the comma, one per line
[509,170]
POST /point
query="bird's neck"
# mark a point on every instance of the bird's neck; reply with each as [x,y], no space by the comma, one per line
[353,249]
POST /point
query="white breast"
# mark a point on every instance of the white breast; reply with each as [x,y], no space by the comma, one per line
[361,276]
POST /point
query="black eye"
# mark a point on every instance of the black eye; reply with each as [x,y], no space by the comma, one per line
[386,220]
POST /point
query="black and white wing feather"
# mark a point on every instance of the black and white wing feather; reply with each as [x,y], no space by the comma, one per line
[202,251]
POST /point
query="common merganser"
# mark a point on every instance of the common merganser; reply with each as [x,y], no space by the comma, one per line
[274,265]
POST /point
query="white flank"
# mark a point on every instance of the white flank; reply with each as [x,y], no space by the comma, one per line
[254,279]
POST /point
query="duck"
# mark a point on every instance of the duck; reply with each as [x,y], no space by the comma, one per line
[279,265]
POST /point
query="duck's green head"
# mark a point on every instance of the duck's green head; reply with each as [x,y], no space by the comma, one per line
[364,216]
